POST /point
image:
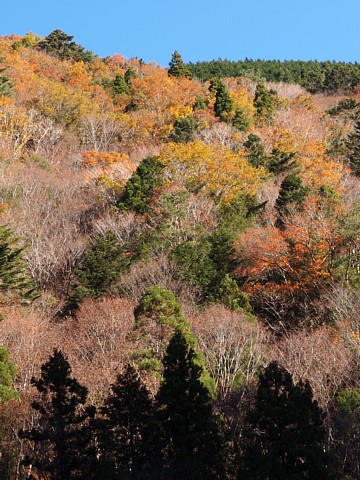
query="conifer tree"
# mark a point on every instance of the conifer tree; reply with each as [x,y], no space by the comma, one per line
[353,145]
[62,441]
[223,103]
[264,102]
[7,373]
[14,280]
[255,151]
[141,185]
[6,85]
[177,67]
[192,445]
[286,435]
[280,162]
[61,45]
[125,429]
[292,193]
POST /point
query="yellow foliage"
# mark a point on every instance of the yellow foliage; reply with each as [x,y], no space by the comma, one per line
[211,168]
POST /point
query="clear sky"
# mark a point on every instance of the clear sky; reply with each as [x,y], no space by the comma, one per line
[198,29]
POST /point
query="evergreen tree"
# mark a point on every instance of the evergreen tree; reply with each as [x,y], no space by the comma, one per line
[120,86]
[125,433]
[292,193]
[14,281]
[240,120]
[6,85]
[129,74]
[192,445]
[177,67]
[184,129]
[62,46]
[264,102]
[7,373]
[286,435]
[100,266]
[280,162]
[141,185]
[223,103]
[255,151]
[353,145]
[62,438]
[199,103]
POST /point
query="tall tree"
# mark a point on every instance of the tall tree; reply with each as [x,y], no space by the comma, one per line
[6,85]
[61,439]
[353,145]
[124,428]
[286,435]
[192,445]
[223,104]
[177,67]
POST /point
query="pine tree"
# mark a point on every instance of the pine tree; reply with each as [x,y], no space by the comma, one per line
[7,373]
[223,103]
[292,193]
[353,145]
[14,281]
[62,46]
[264,102]
[6,85]
[141,185]
[255,151]
[62,438]
[192,445]
[125,429]
[286,435]
[177,67]
[280,162]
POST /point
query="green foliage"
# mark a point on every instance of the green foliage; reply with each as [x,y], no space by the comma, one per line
[199,103]
[230,295]
[177,67]
[315,76]
[353,145]
[223,104]
[61,437]
[264,102]
[255,151]
[192,445]
[124,434]
[160,304]
[62,46]
[120,86]
[241,121]
[184,129]
[7,374]
[280,162]
[6,85]
[129,74]
[286,435]
[14,281]
[100,266]
[141,185]
[292,194]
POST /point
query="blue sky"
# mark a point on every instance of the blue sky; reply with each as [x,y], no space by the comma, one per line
[198,29]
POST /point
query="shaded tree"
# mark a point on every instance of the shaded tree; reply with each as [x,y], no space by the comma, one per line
[353,145]
[286,436]
[62,437]
[192,444]
[125,435]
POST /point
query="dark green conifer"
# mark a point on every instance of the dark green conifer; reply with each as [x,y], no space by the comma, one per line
[141,185]
[62,46]
[285,439]
[120,86]
[264,102]
[223,104]
[177,67]
[255,151]
[184,129]
[353,146]
[125,429]
[292,193]
[280,162]
[192,445]
[62,440]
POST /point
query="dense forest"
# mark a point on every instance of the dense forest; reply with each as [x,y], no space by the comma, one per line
[179,267]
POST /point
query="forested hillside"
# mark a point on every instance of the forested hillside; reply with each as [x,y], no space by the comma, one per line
[179,266]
